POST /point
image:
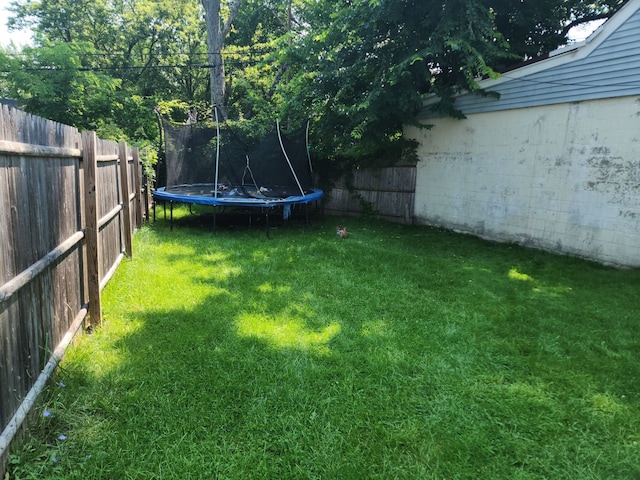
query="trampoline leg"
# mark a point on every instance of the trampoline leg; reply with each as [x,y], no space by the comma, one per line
[266,217]
[171,218]
[214,219]
[306,214]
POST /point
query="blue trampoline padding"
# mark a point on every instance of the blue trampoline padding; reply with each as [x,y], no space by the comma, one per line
[203,196]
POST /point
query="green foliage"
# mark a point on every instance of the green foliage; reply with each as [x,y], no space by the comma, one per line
[359,69]
[366,67]
[363,68]
[52,81]
[132,53]
[366,207]
[398,353]
[149,158]
[177,111]
[535,28]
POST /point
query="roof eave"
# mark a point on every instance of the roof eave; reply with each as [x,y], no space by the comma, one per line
[565,54]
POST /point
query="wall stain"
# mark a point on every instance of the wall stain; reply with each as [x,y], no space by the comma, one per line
[613,176]
[600,151]
[629,214]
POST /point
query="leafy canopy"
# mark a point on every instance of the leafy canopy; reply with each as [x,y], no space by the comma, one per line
[359,68]
[364,67]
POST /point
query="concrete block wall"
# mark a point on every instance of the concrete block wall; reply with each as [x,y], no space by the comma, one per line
[563,177]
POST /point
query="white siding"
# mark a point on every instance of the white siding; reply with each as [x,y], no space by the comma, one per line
[611,69]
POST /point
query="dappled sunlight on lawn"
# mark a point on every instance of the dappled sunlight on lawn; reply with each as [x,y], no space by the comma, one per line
[608,405]
[189,283]
[261,256]
[515,274]
[551,290]
[531,393]
[270,288]
[554,291]
[285,331]
[181,259]
[375,328]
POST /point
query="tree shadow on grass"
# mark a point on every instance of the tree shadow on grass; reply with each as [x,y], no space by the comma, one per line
[250,369]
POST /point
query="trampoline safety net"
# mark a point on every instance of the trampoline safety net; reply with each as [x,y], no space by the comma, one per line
[277,166]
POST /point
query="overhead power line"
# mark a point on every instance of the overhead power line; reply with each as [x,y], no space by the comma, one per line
[53,68]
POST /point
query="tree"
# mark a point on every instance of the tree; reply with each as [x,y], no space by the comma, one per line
[50,81]
[367,74]
[360,68]
[532,28]
[364,67]
[154,49]
[217,32]
[133,39]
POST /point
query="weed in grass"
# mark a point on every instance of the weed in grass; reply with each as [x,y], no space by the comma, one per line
[401,352]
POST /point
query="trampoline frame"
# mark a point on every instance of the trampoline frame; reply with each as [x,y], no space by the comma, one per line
[265,205]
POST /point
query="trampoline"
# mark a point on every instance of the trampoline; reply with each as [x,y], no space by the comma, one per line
[217,166]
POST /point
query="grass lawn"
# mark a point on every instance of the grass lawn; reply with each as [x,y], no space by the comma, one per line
[398,353]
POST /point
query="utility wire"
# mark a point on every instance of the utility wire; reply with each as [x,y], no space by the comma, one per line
[252,63]
[51,68]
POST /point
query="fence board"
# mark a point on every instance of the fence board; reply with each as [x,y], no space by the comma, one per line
[61,231]
[386,192]
[125,196]
[39,212]
[92,215]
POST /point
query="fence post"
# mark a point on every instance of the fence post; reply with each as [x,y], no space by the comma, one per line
[126,197]
[90,164]
[137,186]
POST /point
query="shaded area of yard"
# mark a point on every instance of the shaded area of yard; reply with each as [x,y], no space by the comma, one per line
[401,352]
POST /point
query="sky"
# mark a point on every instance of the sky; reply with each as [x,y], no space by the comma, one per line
[23,37]
[20,38]
[577,34]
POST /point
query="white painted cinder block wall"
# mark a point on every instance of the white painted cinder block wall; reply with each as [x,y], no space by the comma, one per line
[564,177]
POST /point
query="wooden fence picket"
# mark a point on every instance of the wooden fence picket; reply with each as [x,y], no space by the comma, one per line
[69,203]
[91,192]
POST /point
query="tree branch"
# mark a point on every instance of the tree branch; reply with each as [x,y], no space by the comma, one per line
[232,16]
[587,19]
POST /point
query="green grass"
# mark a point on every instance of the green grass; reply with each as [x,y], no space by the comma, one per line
[398,353]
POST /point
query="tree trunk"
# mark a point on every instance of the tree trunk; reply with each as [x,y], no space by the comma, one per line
[216,34]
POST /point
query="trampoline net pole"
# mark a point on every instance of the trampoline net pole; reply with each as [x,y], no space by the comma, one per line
[287,158]
[306,146]
[215,183]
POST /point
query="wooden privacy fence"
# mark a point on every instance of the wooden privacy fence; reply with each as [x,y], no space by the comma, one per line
[387,193]
[69,203]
